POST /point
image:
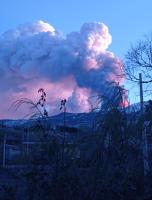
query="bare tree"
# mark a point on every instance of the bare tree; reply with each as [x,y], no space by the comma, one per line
[139,60]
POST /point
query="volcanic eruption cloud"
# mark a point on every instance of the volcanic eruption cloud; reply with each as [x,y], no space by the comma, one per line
[76,66]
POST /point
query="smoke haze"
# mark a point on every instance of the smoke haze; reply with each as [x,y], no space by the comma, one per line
[75,66]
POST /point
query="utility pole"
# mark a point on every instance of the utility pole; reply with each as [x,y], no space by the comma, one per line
[4,150]
[63,106]
[141,94]
[27,142]
[144,136]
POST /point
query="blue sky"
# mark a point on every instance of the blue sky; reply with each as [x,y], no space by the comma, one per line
[128,20]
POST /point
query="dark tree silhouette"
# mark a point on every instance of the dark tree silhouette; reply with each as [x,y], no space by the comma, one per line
[139,60]
[37,109]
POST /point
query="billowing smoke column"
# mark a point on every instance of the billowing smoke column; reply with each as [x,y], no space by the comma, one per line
[74,67]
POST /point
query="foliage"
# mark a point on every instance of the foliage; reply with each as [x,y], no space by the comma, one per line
[37,110]
[106,163]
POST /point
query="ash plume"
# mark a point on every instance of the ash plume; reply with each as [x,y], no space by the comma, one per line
[75,66]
